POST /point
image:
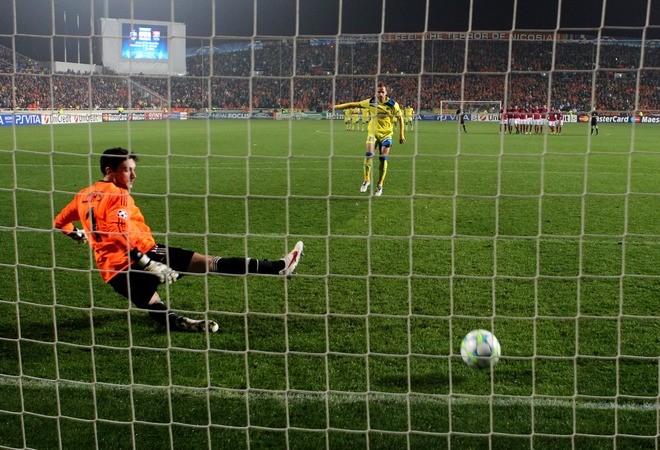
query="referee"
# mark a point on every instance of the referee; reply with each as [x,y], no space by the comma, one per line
[461,118]
[594,122]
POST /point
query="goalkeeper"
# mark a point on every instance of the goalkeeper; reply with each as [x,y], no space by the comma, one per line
[126,253]
[383,111]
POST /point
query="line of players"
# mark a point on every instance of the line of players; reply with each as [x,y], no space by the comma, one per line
[530,120]
[358,119]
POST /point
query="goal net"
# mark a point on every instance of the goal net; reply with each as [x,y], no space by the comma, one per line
[546,236]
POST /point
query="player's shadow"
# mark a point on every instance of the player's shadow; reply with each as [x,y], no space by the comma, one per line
[429,383]
[423,383]
[40,331]
[8,329]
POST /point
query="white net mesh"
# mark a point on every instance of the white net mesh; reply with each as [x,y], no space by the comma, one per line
[546,236]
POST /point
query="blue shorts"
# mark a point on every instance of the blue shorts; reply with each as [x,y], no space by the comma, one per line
[387,142]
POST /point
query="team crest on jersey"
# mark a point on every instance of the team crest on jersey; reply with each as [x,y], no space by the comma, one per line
[122,214]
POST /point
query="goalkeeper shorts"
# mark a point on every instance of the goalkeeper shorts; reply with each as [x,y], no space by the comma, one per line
[139,286]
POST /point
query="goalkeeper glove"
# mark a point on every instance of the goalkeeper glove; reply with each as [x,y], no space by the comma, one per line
[164,273]
[78,235]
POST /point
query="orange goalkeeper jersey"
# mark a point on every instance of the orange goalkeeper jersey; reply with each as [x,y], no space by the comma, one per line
[114,225]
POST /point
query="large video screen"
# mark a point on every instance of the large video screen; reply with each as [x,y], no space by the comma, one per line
[147,46]
[144,42]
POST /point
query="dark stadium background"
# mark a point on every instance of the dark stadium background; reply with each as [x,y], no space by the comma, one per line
[35,18]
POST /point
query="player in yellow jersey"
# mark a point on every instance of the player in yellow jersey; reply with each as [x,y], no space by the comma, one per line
[409,115]
[348,119]
[128,257]
[357,119]
[384,111]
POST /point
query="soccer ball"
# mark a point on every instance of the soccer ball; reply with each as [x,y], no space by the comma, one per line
[480,349]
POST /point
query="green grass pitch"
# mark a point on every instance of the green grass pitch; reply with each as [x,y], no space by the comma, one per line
[553,242]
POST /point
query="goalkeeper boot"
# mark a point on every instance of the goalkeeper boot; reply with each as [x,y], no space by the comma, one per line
[365,186]
[379,190]
[292,259]
[196,326]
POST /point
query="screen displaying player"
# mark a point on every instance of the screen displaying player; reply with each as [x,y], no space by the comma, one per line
[144,41]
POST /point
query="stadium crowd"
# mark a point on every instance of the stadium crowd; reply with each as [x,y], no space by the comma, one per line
[308,74]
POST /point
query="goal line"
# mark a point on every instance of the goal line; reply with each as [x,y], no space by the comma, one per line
[624,403]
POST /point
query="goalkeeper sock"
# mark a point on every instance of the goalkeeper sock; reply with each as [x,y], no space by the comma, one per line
[382,168]
[367,165]
[158,311]
[238,266]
